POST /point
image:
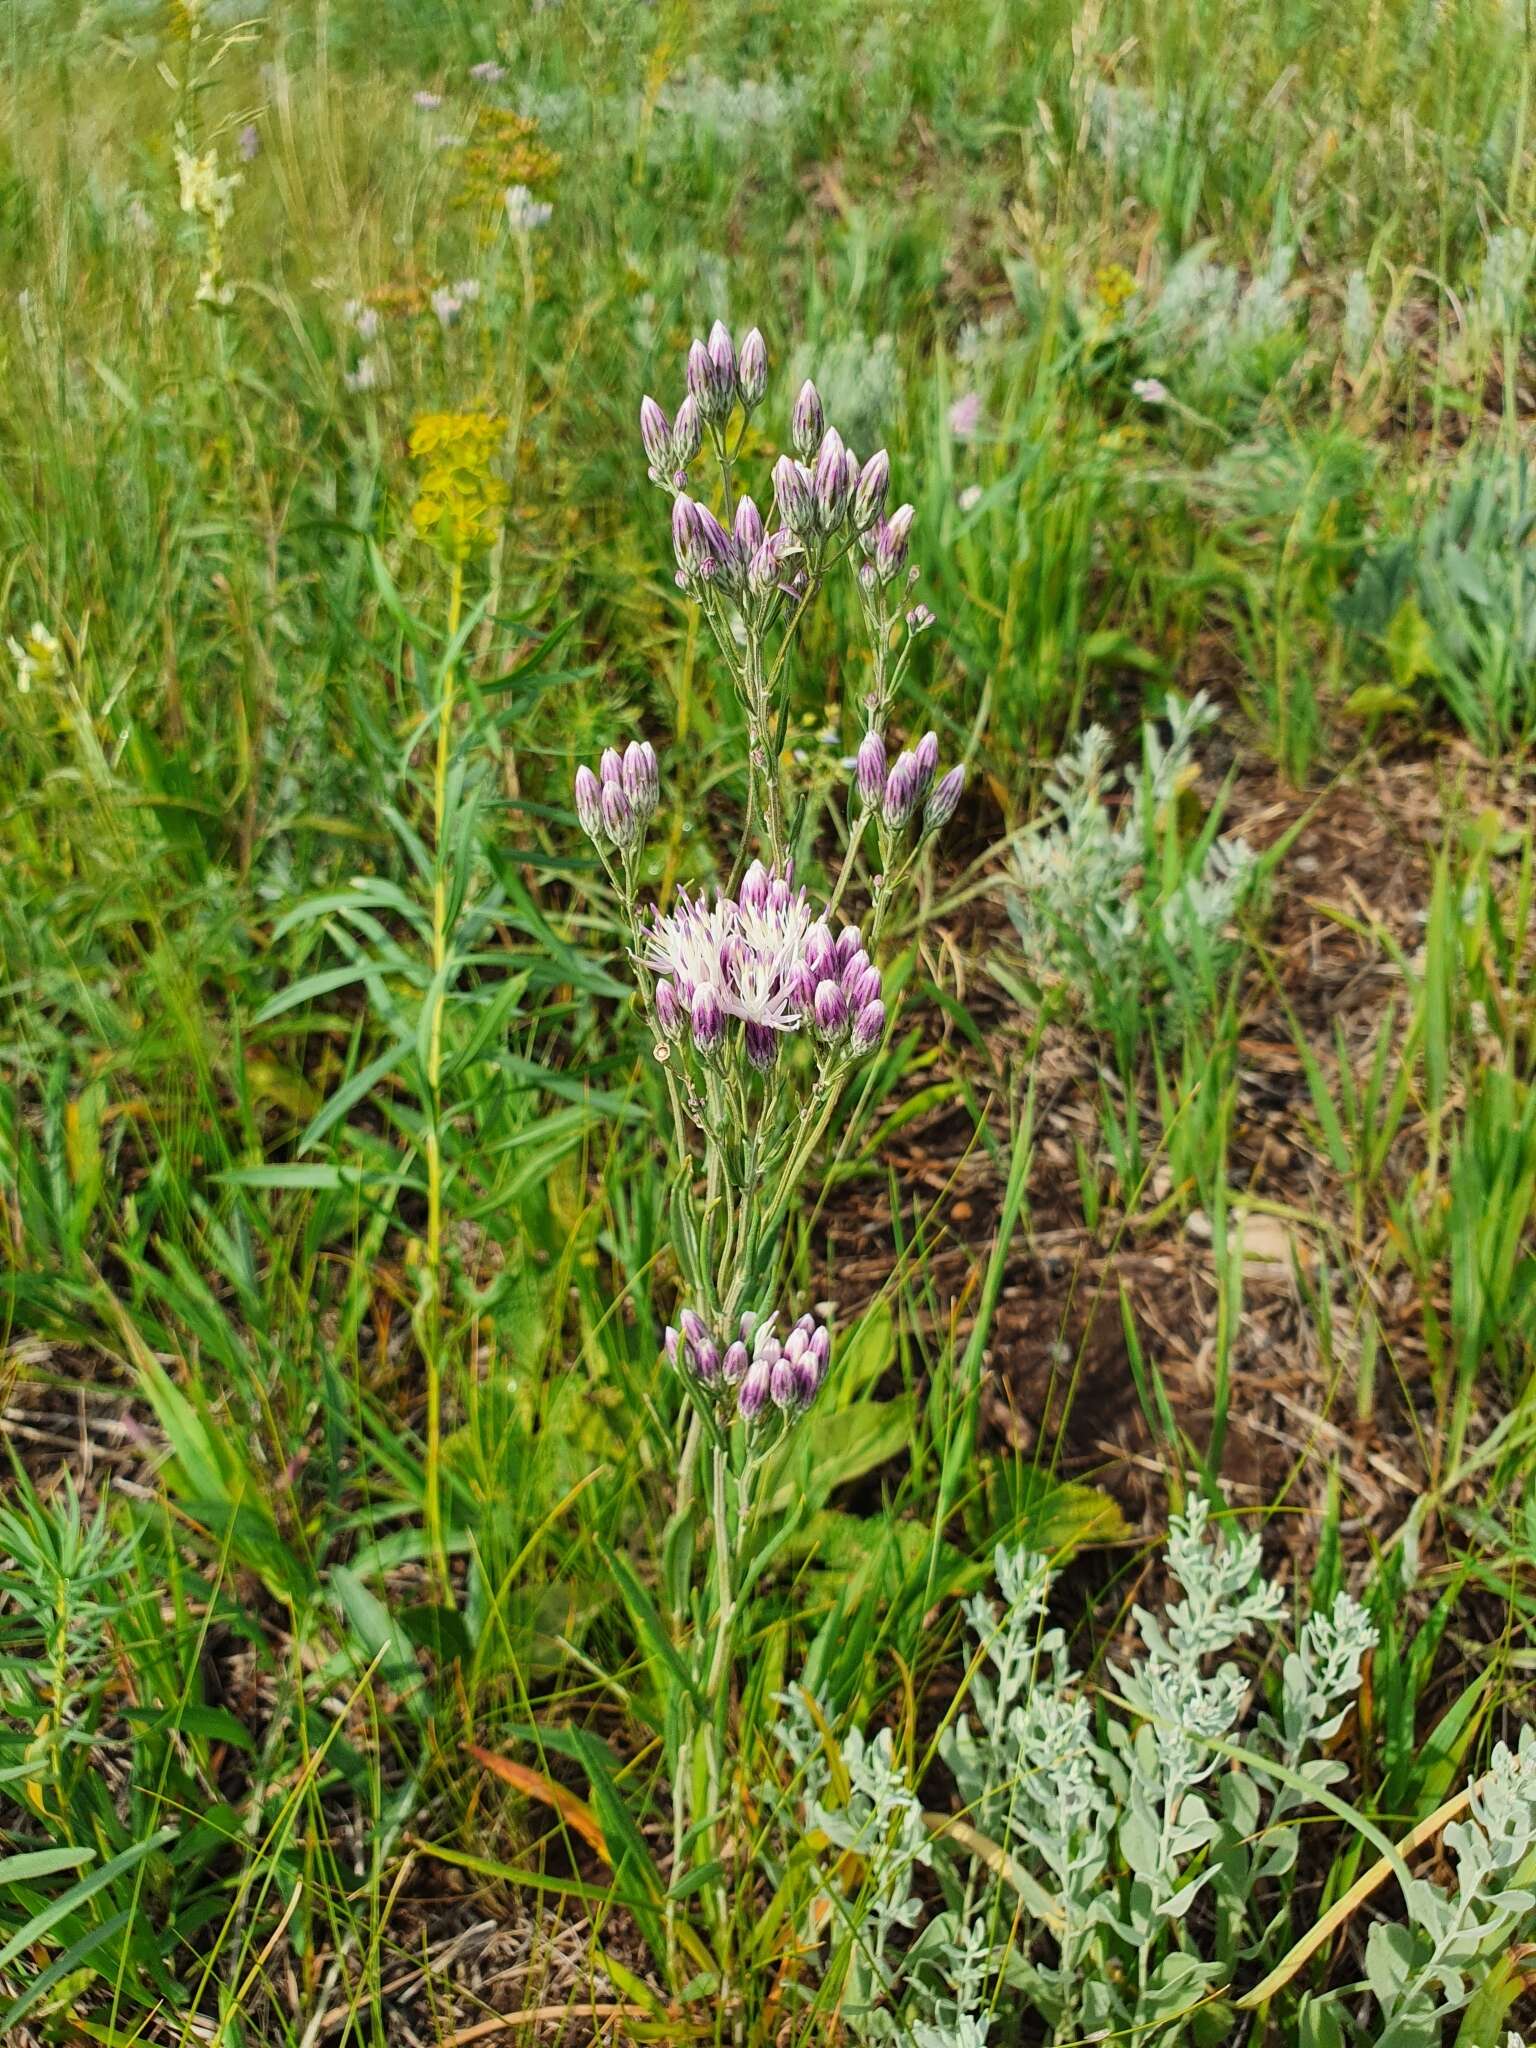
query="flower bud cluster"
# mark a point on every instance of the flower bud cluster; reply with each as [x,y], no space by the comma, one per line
[746,563]
[615,805]
[906,791]
[823,490]
[749,1369]
[719,379]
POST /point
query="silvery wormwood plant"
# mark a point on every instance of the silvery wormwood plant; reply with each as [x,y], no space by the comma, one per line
[761,1000]
[1115,903]
[1123,1858]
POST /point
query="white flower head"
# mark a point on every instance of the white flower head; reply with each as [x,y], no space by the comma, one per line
[362,318]
[368,375]
[524,212]
[36,657]
[206,192]
[1150,390]
[752,952]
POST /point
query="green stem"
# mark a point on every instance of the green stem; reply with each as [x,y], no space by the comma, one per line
[432,1324]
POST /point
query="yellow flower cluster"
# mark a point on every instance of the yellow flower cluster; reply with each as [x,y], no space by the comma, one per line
[405,299]
[503,151]
[1113,284]
[461,501]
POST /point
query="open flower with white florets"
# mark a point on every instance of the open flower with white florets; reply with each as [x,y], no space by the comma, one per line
[765,960]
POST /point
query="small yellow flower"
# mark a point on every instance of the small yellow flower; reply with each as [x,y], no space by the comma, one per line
[461,503]
[503,152]
[1113,284]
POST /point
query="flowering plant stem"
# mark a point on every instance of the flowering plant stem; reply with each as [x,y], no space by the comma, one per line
[431,1318]
[759,1010]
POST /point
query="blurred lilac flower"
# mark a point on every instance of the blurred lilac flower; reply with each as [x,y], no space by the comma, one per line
[248,143]
[1150,390]
[965,416]
[487,72]
[429,102]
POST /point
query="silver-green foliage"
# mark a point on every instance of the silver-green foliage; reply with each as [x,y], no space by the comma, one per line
[1115,903]
[1121,1871]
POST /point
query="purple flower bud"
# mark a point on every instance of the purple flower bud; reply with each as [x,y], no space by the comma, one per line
[868,1027]
[733,1367]
[708,1019]
[850,969]
[693,1326]
[807,1379]
[830,1010]
[705,1360]
[747,1327]
[589,801]
[669,1345]
[722,361]
[901,791]
[794,490]
[753,1391]
[851,472]
[642,777]
[862,986]
[762,1046]
[712,376]
[619,820]
[716,540]
[783,1386]
[752,370]
[767,1350]
[807,1322]
[890,549]
[765,569]
[807,422]
[670,1016]
[802,984]
[869,770]
[796,1344]
[753,893]
[830,481]
[869,498]
[700,374]
[926,756]
[848,943]
[819,952]
[821,1347]
[749,529]
[688,542]
[919,619]
[945,800]
[611,766]
[655,435]
[687,432]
